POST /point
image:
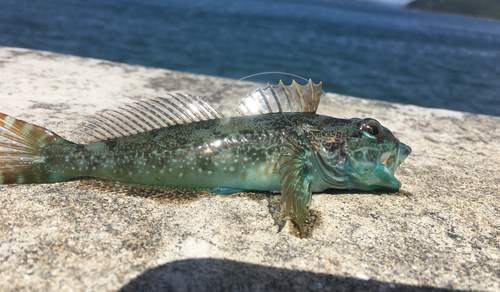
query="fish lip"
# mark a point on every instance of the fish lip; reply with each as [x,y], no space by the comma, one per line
[391,183]
[403,152]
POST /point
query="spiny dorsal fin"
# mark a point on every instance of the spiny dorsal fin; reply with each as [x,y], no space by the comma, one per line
[147,115]
[280,98]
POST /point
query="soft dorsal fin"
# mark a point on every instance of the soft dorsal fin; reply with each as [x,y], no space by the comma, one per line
[280,98]
[147,115]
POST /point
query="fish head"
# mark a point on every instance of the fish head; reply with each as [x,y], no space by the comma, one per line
[373,154]
[361,154]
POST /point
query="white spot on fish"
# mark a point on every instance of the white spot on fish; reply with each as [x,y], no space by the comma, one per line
[8,122]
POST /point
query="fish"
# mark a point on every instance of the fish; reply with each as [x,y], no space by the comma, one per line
[275,141]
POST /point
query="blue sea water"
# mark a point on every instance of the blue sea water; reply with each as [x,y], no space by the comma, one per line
[369,51]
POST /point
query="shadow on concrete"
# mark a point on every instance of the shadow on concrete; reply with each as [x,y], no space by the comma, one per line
[226,275]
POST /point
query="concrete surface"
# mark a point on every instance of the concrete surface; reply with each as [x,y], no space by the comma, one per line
[442,229]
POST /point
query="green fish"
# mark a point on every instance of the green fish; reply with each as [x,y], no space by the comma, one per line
[274,142]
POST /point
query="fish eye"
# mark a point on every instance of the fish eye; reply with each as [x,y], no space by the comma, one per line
[373,130]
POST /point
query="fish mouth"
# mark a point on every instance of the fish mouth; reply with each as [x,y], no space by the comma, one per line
[388,163]
[380,173]
[393,159]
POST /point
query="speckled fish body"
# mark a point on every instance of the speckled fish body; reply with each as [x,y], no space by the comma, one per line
[277,143]
[237,152]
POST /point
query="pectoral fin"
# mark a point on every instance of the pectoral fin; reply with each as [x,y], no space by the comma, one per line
[295,181]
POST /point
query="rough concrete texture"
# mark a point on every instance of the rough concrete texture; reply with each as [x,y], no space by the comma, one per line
[440,230]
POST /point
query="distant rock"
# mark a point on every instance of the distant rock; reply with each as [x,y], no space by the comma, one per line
[489,9]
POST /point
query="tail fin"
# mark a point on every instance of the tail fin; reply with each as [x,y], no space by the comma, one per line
[21,151]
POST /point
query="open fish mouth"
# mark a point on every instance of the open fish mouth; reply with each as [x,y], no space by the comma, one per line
[393,159]
[389,162]
[382,177]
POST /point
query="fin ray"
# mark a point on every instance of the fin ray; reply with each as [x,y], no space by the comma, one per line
[21,151]
[144,116]
[295,181]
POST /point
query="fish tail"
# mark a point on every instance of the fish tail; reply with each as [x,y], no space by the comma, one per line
[22,152]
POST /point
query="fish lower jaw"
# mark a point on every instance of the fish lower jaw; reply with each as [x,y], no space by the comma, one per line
[380,178]
[386,177]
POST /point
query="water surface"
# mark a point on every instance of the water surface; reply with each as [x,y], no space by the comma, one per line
[369,51]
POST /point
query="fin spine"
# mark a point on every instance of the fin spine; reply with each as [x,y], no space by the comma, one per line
[281,98]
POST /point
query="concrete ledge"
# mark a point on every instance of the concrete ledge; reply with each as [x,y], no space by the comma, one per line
[441,230]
